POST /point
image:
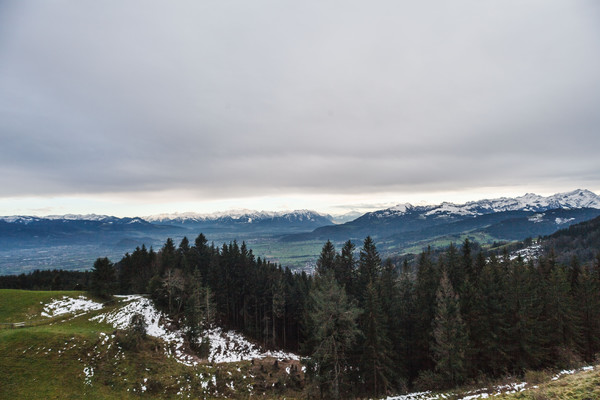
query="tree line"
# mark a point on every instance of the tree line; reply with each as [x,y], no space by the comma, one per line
[446,320]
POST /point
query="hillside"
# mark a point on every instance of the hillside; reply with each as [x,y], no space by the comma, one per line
[406,226]
[574,384]
[88,340]
[581,240]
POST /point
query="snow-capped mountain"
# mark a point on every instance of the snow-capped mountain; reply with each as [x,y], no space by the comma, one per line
[502,218]
[70,229]
[248,219]
[23,219]
[579,198]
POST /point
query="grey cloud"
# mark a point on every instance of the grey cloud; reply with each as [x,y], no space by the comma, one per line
[235,98]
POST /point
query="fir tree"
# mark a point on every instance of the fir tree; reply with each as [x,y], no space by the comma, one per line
[406,315]
[376,367]
[345,265]
[333,319]
[425,296]
[449,334]
[326,261]
[588,310]
[104,278]
[369,265]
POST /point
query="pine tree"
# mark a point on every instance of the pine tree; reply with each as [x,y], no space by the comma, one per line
[369,265]
[326,261]
[454,267]
[104,278]
[406,314]
[449,335]
[588,309]
[425,296]
[560,319]
[333,319]
[167,257]
[489,353]
[376,366]
[524,337]
[345,265]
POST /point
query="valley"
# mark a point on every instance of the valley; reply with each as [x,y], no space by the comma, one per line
[292,239]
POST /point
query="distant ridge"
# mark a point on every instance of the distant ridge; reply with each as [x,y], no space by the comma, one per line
[240,214]
[502,218]
[580,198]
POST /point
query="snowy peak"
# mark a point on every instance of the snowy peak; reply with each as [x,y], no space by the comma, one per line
[402,208]
[241,216]
[579,198]
[79,217]
[72,218]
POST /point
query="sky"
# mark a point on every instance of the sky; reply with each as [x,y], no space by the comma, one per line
[144,107]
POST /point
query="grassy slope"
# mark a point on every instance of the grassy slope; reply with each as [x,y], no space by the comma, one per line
[580,386]
[47,361]
[18,305]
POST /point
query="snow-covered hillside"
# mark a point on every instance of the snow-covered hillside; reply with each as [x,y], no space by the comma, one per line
[225,346]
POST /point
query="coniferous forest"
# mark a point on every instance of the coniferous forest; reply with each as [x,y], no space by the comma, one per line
[367,326]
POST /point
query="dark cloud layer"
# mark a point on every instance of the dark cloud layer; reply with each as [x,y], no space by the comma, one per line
[235,98]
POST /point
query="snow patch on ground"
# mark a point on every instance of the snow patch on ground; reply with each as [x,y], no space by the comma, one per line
[156,323]
[528,253]
[571,372]
[68,305]
[225,346]
[230,346]
[560,221]
[536,218]
[89,373]
[482,393]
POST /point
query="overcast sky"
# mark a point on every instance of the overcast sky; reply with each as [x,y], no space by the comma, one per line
[141,107]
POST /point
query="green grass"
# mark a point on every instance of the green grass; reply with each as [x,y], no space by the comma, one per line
[47,361]
[443,242]
[291,254]
[580,386]
[21,305]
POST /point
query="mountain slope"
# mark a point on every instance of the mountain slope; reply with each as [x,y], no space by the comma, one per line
[77,352]
[60,230]
[504,218]
[580,240]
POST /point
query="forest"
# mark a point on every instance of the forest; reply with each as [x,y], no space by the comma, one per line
[366,326]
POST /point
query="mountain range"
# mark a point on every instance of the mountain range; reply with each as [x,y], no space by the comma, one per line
[293,237]
[495,219]
[246,220]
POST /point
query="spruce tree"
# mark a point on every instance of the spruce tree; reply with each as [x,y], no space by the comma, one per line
[525,341]
[104,278]
[326,261]
[406,338]
[425,296]
[489,353]
[588,310]
[333,319]
[449,344]
[345,265]
[376,366]
[369,265]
